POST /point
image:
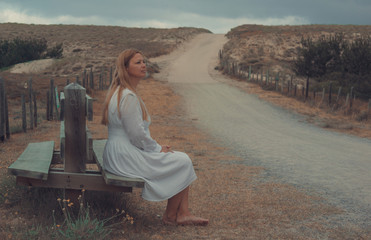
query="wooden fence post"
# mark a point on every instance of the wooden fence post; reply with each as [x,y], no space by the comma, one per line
[91,78]
[351,98]
[6,115]
[51,99]
[61,115]
[75,153]
[329,93]
[35,109]
[47,105]
[24,119]
[249,73]
[84,78]
[2,110]
[30,101]
[338,96]
[56,102]
[75,128]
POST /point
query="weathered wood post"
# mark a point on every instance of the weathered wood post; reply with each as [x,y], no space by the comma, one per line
[35,109]
[30,102]
[51,97]
[329,94]
[61,113]
[351,98]
[75,133]
[369,109]
[75,126]
[56,103]
[6,115]
[84,78]
[91,78]
[2,110]
[24,119]
[47,106]
[249,73]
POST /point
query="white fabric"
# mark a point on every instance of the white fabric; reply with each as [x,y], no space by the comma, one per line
[130,151]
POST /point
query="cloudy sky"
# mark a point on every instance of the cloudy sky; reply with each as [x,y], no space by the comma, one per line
[219,16]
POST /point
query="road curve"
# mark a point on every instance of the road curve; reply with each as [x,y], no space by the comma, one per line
[334,165]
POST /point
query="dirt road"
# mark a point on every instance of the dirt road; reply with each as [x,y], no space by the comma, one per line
[333,165]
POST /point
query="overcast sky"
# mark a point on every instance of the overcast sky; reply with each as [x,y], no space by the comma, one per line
[219,16]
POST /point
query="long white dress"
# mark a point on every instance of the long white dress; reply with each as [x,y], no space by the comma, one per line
[130,151]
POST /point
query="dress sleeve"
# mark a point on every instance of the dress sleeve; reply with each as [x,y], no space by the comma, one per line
[132,122]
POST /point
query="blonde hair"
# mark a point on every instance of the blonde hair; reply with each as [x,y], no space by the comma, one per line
[120,81]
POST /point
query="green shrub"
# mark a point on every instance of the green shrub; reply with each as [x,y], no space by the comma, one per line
[21,50]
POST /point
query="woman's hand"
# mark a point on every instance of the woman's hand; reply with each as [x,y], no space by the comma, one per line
[166,149]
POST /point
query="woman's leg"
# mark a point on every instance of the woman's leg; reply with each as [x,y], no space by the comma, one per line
[172,207]
[177,211]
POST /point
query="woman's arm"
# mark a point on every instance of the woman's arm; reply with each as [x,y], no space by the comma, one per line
[132,122]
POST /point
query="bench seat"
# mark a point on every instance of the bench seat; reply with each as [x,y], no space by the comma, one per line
[34,162]
[109,178]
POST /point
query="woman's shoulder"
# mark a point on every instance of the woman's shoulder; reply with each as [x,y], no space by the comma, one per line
[126,92]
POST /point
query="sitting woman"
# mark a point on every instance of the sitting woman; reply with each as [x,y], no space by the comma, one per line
[130,150]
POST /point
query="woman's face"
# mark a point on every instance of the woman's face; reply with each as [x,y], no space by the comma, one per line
[137,67]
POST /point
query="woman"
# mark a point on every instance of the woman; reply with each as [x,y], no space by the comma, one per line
[131,152]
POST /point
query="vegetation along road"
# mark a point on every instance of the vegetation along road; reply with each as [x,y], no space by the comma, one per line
[333,165]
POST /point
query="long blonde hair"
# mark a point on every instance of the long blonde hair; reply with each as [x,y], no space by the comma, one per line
[120,81]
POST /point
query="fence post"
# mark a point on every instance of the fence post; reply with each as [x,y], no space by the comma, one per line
[276,80]
[24,119]
[61,115]
[84,78]
[329,93]
[47,105]
[75,134]
[56,102]
[75,127]
[35,109]
[369,109]
[30,102]
[91,78]
[2,110]
[249,73]
[51,99]
[351,98]
[338,96]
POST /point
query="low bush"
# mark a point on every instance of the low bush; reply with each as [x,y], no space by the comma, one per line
[21,50]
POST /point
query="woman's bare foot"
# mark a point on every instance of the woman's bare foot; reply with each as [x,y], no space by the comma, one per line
[168,221]
[191,220]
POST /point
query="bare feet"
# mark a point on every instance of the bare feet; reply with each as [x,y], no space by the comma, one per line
[192,220]
[168,221]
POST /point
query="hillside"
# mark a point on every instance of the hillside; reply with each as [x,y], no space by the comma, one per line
[97,46]
[274,47]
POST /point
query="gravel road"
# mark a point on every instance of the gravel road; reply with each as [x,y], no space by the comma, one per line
[333,165]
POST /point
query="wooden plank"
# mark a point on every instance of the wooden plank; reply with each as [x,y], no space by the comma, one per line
[34,162]
[111,179]
[58,179]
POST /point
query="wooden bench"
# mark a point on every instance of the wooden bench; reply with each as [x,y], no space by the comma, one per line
[34,162]
[77,149]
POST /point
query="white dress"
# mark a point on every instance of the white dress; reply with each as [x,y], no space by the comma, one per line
[130,151]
